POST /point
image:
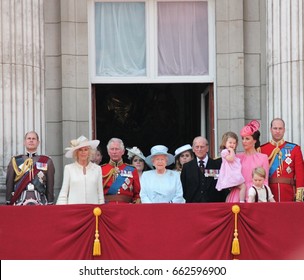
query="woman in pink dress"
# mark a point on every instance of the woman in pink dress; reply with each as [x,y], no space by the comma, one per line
[231,170]
[250,158]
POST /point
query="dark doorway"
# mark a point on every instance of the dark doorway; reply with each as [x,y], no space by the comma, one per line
[145,115]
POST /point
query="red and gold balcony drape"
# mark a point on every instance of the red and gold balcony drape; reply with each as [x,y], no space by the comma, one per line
[269,231]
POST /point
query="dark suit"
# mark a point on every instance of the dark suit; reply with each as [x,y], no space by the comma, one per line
[197,187]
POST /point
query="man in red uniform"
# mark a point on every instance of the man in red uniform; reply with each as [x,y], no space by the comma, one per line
[286,173]
[120,180]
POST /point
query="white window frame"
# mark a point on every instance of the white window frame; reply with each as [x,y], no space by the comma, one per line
[151,48]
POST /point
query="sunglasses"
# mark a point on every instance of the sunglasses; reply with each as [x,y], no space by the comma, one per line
[138,160]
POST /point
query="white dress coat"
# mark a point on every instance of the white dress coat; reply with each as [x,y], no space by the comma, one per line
[79,188]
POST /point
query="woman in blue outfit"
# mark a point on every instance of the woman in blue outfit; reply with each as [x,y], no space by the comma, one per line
[161,185]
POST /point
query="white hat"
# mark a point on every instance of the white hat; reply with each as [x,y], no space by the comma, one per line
[135,152]
[159,150]
[182,149]
[79,143]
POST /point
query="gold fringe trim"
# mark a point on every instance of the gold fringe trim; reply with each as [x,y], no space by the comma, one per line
[235,249]
[97,247]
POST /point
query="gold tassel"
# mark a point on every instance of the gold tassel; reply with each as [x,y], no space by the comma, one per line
[97,247]
[235,250]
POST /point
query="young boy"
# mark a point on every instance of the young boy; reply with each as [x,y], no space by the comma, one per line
[259,192]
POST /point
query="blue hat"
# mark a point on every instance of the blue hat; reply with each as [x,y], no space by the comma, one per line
[159,150]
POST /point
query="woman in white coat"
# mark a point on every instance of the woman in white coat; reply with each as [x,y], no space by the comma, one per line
[82,180]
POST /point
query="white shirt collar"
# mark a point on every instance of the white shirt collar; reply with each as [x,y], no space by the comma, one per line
[205,160]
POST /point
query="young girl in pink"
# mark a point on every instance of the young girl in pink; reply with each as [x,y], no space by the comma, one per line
[230,172]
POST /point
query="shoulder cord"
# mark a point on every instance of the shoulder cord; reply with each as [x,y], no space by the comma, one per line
[27,165]
[108,176]
[273,154]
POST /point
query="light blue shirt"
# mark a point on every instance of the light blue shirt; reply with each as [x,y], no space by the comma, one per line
[161,188]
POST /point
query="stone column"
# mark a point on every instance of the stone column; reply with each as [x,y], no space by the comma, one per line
[21,77]
[230,85]
[285,66]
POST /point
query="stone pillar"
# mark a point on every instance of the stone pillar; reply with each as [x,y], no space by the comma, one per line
[285,66]
[21,77]
[230,85]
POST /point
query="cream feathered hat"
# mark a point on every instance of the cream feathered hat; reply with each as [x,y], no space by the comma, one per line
[78,143]
[134,151]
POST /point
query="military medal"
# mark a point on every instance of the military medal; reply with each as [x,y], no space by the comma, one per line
[40,175]
[212,173]
[288,160]
[288,170]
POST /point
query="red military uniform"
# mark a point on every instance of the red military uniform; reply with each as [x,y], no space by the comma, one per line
[120,182]
[286,169]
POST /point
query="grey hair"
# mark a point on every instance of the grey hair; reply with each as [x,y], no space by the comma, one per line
[112,140]
[26,134]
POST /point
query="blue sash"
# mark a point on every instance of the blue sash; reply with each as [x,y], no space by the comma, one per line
[120,179]
[276,163]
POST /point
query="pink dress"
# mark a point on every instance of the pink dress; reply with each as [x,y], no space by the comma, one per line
[249,162]
[230,172]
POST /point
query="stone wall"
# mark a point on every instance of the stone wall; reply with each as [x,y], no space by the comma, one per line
[241,66]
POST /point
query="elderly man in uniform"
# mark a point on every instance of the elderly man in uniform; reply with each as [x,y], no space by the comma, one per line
[286,171]
[120,180]
[30,177]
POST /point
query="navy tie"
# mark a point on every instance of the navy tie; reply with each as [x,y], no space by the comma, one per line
[201,166]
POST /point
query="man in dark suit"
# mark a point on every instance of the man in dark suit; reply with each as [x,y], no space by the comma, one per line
[199,176]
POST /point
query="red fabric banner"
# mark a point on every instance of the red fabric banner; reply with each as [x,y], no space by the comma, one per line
[270,231]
